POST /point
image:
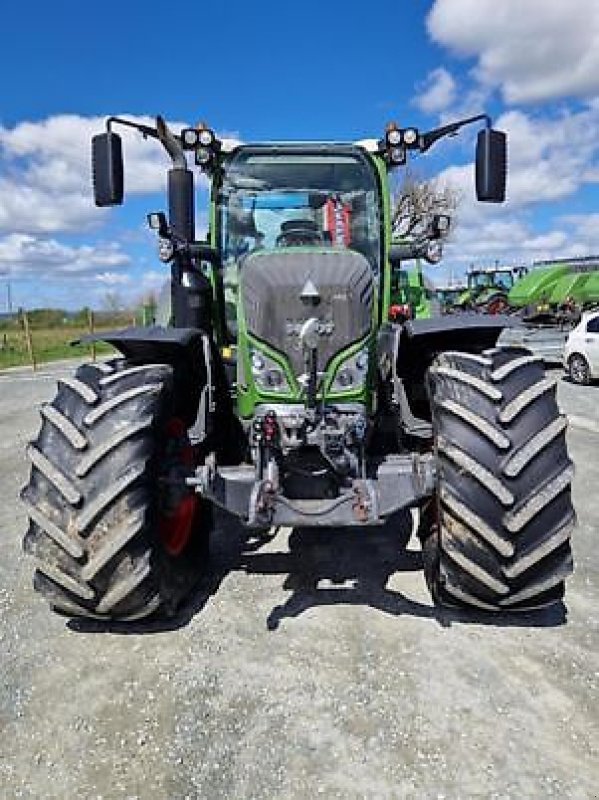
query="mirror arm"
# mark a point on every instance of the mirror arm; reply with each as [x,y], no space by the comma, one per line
[204,252]
[145,130]
[427,140]
[171,144]
[406,251]
[161,132]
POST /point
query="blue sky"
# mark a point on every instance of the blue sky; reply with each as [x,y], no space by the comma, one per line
[337,70]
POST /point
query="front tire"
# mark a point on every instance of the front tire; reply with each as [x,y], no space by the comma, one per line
[96,497]
[579,370]
[502,517]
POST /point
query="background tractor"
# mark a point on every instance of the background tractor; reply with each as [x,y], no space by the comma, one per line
[488,289]
[448,294]
[412,295]
[281,393]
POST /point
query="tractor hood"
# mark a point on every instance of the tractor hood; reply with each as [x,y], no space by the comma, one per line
[280,290]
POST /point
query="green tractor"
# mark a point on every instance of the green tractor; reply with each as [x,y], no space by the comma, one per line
[488,289]
[281,393]
[412,296]
[447,295]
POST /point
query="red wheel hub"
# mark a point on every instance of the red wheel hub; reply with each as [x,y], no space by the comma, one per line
[179,507]
[497,306]
[176,529]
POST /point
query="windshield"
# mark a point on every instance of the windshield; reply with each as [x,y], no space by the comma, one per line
[278,199]
[482,280]
[505,280]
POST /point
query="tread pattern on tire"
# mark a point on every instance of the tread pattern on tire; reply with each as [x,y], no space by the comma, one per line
[91,495]
[503,515]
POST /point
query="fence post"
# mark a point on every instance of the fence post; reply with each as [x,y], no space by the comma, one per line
[28,339]
[90,325]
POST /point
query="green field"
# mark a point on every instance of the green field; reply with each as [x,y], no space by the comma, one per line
[51,336]
[48,345]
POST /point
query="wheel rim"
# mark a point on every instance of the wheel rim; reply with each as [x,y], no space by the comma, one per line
[176,529]
[179,508]
[497,306]
[578,370]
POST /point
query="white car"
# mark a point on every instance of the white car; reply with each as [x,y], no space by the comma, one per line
[581,353]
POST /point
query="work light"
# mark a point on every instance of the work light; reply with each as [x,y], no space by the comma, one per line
[410,136]
[206,137]
[393,137]
[397,155]
[203,156]
[190,138]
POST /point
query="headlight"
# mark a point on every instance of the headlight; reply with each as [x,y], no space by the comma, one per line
[267,373]
[352,373]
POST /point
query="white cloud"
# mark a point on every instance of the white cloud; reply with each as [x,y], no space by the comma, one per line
[437,92]
[585,228]
[46,172]
[533,51]
[153,279]
[513,240]
[113,278]
[549,158]
[25,255]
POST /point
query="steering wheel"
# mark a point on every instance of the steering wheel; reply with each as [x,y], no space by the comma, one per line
[299,232]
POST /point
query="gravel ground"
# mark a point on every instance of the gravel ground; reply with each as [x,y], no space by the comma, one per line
[307,666]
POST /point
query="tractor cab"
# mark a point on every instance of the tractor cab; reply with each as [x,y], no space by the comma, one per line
[275,200]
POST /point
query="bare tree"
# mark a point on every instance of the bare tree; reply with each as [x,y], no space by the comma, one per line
[418,200]
[112,301]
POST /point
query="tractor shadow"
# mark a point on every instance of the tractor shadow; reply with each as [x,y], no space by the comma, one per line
[353,566]
[341,566]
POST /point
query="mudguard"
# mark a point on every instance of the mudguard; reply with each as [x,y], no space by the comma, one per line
[405,352]
[422,339]
[189,351]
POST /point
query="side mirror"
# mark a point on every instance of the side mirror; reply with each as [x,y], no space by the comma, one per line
[491,165]
[107,169]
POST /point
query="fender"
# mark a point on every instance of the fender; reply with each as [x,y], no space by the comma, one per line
[405,352]
[421,340]
[191,353]
[203,393]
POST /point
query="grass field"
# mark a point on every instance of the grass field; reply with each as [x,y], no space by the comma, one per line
[50,344]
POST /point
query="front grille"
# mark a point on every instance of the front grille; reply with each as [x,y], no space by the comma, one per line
[271,283]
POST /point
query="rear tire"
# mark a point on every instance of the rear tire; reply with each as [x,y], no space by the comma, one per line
[96,495]
[579,370]
[500,523]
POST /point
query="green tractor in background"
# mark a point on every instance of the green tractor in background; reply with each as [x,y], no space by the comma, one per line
[281,393]
[557,291]
[488,289]
[412,295]
[448,294]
